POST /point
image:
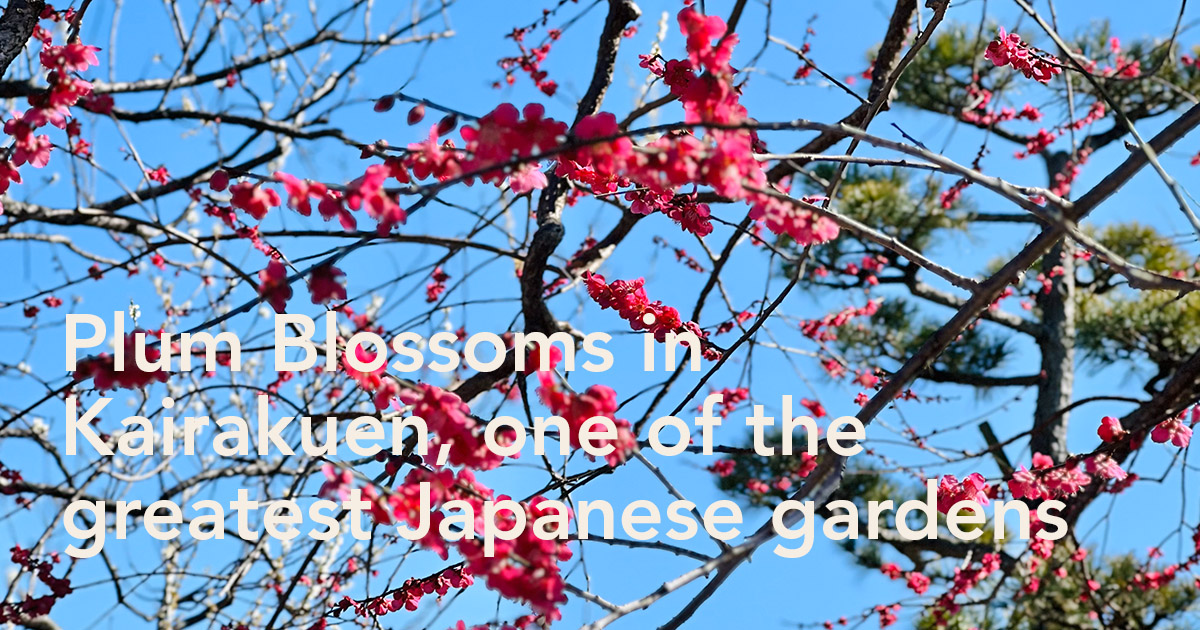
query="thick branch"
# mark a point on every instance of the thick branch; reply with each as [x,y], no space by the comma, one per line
[16,26]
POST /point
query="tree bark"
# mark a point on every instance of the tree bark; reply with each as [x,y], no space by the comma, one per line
[16,26]
[1057,343]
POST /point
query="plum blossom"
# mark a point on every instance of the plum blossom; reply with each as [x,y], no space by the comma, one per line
[1008,50]
[972,488]
[255,200]
[1105,467]
[326,284]
[1110,430]
[578,408]
[273,286]
[1173,431]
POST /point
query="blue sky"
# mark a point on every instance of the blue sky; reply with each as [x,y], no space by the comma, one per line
[769,592]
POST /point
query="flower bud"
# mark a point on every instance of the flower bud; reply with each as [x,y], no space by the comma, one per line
[385,104]
[416,114]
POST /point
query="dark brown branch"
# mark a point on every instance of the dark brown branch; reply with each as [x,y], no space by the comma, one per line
[16,27]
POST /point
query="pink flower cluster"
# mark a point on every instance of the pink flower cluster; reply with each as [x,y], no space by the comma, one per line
[437,285]
[102,368]
[951,195]
[9,478]
[449,422]
[918,582]
[731,397]
[1037,143]
[530,61]
[823,329]
[520,623]
[1123,66]
[326,285]
[49,106]
[1111,430]
[1071,170]
[1046,481]
[19,612]
[964,580]
[803,467]
[524,569]
[723,160]
[1008,50]
[1173,431]
[253,199]
[722,467]
[628,298]
[972,488]
[429,158]
[578,408]
[384,388]
[503,136]
[783,217]
[503,145]
[682,209]
[366,192]
[1105,467]
[410,594]
[978,114]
